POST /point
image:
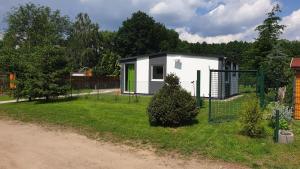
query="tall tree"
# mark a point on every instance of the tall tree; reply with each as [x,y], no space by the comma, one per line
[33,45]
[109,40]
[141,34]
[108,64]
[85,42]
[50,71]
[1,44]
[269,32]
[33,25]
[266,52]
[276,67]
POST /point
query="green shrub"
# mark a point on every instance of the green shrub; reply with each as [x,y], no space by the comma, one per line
[283,124]
[285,116]
[172,105]
[271,96]
[251,119]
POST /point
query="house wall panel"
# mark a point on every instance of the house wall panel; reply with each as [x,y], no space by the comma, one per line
[154,86]
[185,67]
[142,75]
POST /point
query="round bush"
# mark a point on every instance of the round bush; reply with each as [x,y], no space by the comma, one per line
[172,105]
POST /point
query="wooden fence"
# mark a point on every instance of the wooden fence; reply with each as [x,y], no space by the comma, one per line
[108,82]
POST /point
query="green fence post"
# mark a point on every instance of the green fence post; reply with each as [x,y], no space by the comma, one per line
[199,104]
[276,130]
[262,90]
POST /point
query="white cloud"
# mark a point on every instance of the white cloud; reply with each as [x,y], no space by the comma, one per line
[247,35]
[231,17]
[84,1]
[292,31]
[211,17]
[243,11]
[182,10]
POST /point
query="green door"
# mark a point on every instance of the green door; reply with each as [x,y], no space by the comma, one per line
[130,78]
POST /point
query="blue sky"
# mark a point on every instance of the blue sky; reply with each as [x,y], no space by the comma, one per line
[213,21]
[288,6]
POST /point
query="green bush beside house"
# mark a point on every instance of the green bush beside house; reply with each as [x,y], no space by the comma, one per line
[172,105]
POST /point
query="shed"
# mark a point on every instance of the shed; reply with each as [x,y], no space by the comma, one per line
[295,65]
[145,74]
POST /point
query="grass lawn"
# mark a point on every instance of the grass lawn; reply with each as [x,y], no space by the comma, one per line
[5,98]
[128,122]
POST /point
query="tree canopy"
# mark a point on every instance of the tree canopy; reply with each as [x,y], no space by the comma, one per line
[85,42]
[141,34]
[34,48]
[267,53]
[32,25]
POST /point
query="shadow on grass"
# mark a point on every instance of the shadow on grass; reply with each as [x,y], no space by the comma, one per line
[57,100]
[223,119]
[183,124]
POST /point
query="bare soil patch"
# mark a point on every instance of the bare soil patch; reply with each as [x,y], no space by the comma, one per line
[24,146]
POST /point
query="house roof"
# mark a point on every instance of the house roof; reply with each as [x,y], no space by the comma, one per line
[130,59]
[295,63]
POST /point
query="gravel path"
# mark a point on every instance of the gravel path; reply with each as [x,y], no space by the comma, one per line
[24,146]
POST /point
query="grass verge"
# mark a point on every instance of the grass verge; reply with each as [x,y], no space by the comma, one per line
[5,98]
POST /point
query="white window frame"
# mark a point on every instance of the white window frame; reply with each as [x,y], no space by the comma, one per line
[157,80]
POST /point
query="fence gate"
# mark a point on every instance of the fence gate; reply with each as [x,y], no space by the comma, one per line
[229,89]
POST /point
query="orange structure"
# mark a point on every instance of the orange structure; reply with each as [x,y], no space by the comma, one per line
[12,78]
[88,73]
[295,65]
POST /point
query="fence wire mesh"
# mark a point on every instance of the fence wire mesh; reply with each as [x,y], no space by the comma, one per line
[228,91]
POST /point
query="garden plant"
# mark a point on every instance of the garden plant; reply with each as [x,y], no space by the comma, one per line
[251,119]
[172,105]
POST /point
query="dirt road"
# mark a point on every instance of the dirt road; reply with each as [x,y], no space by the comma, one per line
[24,146]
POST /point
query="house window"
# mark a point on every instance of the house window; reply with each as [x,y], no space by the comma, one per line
[157,73]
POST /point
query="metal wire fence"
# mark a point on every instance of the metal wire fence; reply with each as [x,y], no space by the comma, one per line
[228,90]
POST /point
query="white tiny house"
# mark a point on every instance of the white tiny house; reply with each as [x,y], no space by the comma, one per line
[145,74]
